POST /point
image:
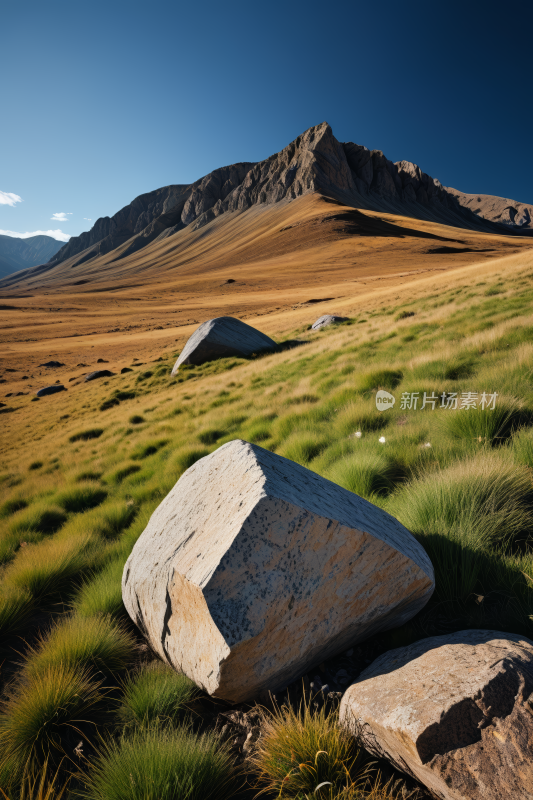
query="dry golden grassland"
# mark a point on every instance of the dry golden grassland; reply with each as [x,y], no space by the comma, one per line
[83,470]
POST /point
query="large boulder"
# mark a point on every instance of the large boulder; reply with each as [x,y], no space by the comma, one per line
[220,338]
[453,712]
[328,319]
[254,569]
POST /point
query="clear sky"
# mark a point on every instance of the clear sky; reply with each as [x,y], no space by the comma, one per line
[103,101]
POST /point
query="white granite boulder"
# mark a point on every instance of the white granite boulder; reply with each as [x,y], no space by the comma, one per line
[254,569]
[220,338]
[454,711]
[328,319]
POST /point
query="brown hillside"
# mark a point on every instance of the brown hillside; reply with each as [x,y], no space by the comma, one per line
[280,257]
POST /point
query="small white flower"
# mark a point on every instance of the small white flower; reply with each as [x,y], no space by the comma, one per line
[358,434]
[382,439]
[427,444]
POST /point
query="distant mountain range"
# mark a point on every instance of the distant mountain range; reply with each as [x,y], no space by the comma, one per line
[16,254]
[314,162]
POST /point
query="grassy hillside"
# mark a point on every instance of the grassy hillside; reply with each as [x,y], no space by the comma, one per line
[79,484]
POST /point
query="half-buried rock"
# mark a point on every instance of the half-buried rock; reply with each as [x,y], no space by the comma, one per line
[57,387]
[328,319]
[223,337]
[254,569]
[454,711]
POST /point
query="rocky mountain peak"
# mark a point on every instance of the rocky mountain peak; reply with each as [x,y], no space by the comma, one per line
[314,162]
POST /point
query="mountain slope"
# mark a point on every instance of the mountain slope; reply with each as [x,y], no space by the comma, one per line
[315,162]
[17,254]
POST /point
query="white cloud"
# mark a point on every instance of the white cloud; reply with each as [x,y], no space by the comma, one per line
[9,199]
[61,216]
[89,219]
[59,235]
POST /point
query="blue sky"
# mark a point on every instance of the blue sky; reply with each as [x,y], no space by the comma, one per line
[103,101]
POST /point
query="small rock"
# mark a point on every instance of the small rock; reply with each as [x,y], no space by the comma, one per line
[50,390]
[454,711]
[99,373]
[342,677]
[53,364]
[25,378]
[124,370]
[328,319]
[102,361]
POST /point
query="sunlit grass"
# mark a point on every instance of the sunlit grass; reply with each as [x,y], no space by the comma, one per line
[301,750]
[82,642]
[162,763]
[156,694]
[44,718]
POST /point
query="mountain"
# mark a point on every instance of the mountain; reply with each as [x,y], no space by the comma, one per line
[16,254]
[315,162]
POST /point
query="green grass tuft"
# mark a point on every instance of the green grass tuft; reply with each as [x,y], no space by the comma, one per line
[102,594]
[156,694]
[39,517]
[47,570]
[189,456]
[84,436]
[11,506]
[81,498]
[162,764]
[379,379]
[488,498]
[367,474]
[148,448]
[46,717]
[491,426]
[82,642]
[299,750]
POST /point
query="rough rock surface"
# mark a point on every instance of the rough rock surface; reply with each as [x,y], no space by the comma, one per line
[454,711]
[50,390]
[254,569]
[327,319]
[99,373]
[222,337]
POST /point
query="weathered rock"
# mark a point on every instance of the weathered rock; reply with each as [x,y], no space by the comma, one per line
[50,390]
[99,373]
[124,370]
[327,319]
[452,711]
[222,337]
[254,569]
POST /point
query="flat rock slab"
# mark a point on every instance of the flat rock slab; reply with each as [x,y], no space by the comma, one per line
[50,390]
[328,319]
[223,337]
[453,712]
[99,373]
[52,364]
[254,569]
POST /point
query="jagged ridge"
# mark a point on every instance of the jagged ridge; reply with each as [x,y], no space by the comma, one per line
[314,162]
